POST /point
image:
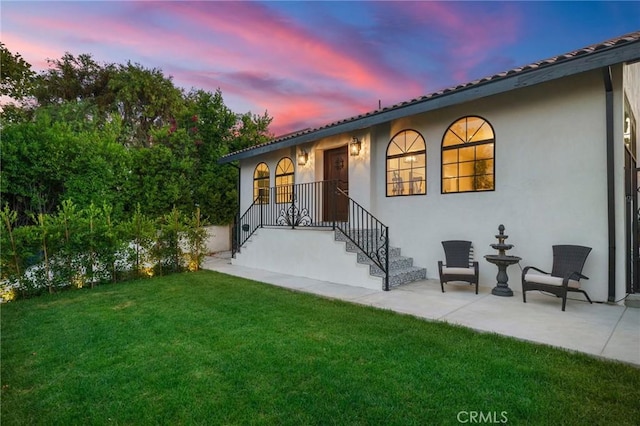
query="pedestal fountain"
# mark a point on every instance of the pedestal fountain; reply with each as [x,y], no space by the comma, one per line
[502,261]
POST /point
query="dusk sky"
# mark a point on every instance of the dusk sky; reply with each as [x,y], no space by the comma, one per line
[310,63]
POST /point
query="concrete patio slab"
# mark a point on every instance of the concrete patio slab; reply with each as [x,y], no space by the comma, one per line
[610,331]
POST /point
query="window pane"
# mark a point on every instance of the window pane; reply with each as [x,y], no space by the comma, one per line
[394,149]
[466,184]
[417,184]
[393,164]
[478,130]
[415,142]
[467,169]
[484,151]
[484,167]
[459,130]
[467,154]
[475,165]
[405,172]
[284,180]
[397,182]
[261,184]
[283,194]
[262,170]
[450,185]
[484,182]
[449,171]
[451,139]
[449,156]
[285,166]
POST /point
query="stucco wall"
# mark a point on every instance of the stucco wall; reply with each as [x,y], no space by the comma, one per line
[308,253]
[218,238]
[550,180]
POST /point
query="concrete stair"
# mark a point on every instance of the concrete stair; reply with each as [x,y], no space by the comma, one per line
[401,268]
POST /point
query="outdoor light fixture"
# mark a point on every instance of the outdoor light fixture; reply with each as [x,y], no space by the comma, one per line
[303,157]
[354,147]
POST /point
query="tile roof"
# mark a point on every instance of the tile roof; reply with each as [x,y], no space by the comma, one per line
[617,42]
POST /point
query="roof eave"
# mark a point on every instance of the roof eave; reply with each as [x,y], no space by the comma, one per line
[469,92]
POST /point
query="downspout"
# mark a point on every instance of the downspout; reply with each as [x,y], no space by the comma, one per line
[611,207]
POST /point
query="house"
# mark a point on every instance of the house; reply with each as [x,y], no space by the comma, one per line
[549,150]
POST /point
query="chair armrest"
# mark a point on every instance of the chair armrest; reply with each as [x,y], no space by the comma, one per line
[526,269]
[576,276]
[440,265]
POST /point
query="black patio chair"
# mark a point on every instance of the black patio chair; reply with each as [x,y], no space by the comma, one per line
[460,265]
[565,276]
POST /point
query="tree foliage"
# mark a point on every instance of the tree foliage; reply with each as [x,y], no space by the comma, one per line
[120,135]
[16,77]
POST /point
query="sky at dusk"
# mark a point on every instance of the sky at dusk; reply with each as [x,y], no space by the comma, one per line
[310,63]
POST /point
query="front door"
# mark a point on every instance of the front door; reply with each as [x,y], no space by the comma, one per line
[336,176]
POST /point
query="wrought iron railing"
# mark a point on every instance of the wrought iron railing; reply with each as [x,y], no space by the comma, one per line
[366,232]
[323,204]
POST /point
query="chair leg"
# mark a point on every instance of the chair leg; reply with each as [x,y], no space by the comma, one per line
[524,295]
[441,286]
[564,300]
[585,295]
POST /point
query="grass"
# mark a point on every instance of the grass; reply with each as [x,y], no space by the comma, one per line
[207,348]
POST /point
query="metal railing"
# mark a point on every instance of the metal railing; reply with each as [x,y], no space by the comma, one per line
[322,204]
[367,233]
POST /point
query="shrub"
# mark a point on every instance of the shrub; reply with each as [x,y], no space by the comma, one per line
[79,247]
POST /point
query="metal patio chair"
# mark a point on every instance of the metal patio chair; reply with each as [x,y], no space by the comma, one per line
[565,276]
[459,265]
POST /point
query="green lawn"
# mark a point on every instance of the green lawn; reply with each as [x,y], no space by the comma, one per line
[207,348]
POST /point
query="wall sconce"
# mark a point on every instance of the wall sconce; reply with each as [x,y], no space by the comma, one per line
[303,157]
[354,147]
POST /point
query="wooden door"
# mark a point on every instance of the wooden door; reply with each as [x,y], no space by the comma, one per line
[336,172]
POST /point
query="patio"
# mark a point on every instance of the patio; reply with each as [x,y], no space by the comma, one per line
[603,330]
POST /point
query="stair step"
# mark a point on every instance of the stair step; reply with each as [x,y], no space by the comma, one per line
[395,264]
[362,258]
[401,269]
[355,234]
[403,276]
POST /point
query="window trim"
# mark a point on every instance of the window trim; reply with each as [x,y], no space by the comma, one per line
[406,154]
[463,144]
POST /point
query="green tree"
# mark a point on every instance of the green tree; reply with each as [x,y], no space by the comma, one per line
[16,79]
[77,79]
[145,99]
[50,159]
[123,134]
[16,83]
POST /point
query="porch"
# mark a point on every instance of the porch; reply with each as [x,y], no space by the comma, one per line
[603,330]
[296,211]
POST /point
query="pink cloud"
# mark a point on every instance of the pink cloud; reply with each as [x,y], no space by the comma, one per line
[264,60]
[281,45]
[471,34]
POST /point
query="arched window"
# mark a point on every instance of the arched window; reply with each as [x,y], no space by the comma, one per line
[284,180]
[406,164]
[468,156]
[261,184]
